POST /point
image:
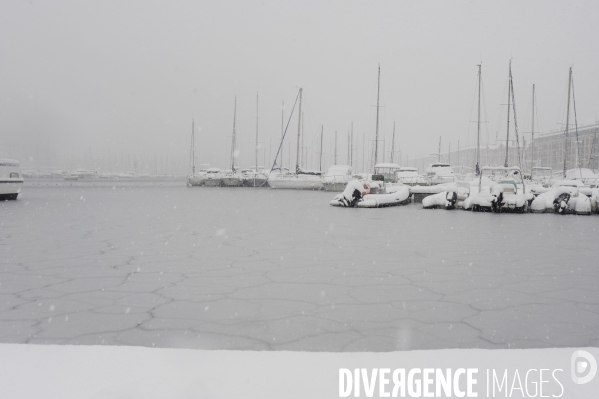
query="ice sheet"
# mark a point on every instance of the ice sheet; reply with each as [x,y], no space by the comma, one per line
[238,268]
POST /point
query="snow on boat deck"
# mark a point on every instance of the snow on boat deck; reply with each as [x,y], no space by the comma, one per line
[178,267]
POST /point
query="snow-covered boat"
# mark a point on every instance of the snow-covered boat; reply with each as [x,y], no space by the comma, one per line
[11,179]
[564,198]
[337,177]
[419,193]
[409,176]
[197,180]
[295,181]
[86,173]
[302,179]
[251,178]
[231,179]
[388,171]
[586,176]
[213,178]
[255,177]
[451,197]
[358,195]
[504,191]
[439,173]
[71,176]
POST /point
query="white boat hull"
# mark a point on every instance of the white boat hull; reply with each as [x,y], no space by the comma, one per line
[296,183]
[232,182]
[400,196]
[195,181]
[10,189]
[212,182]
[255,182]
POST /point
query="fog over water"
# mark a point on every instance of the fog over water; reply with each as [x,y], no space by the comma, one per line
[122,81]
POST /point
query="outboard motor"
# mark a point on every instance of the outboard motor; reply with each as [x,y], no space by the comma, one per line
[356,197]
[353,193]
[496,202]
[561,203]
[450,199]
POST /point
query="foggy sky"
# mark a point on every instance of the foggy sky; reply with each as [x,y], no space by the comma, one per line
[129,77]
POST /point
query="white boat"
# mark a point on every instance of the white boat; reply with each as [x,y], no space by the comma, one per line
[337,177]
[195,179]
[86,173]
[71,176]
[232,178]
[357,195]
[409,176]
[504,191]
[585,175]
[11,179]
[255,177]
[301,179]
[439,173]
[213,178]
[565,197]
[295,181]
[453,195]
[388,171]
[251,178]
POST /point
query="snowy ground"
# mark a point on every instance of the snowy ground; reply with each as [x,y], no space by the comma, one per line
[110,372]
[170,266]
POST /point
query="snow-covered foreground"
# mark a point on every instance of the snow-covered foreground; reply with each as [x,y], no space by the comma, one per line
[207,268]
[93,372]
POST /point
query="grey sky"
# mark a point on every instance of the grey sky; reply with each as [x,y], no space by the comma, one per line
[131,75]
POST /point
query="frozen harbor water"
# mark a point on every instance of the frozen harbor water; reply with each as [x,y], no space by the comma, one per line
[161,264]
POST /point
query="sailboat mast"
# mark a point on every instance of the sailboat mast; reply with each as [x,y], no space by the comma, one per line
[299,125]
[393,142]
[351,151]
[321,133]
[376,139]
[302,156]
[507,137]
[256,170]
[567,122]
[592,152]
[282,131]
[193,149]
[335,160]
[477,123]
[233,140]
[348,146]
[532,145]
[458,153]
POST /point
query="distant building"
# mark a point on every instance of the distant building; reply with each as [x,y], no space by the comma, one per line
[548,152]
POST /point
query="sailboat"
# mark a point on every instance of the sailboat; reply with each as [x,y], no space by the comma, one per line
[194,179]
[300,179]
[232,178]
[253,177]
